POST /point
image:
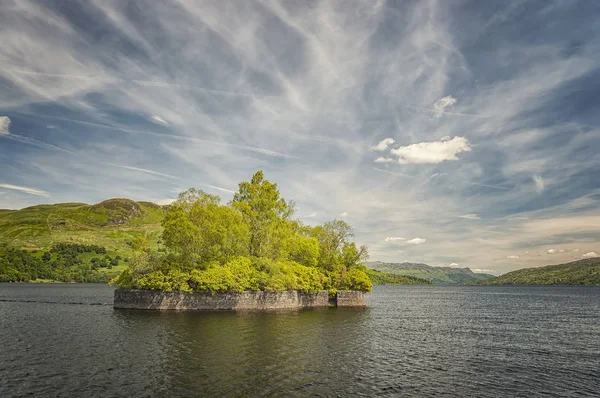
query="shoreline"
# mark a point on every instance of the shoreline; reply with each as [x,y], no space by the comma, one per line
[248,300]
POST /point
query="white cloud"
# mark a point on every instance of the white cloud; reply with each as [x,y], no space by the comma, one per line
[441,104]
[561,251]
[432,152]
[383,144]
[551,251]
[311,215]
[416,241]
[512,257]
[158,120]
[4,125]
[575,250]
[30,191]
[164,202]
[382,159]
[454,264]
[393,239]
[344,214]
[540,185]
[471,216]
[482,270]
[590,255]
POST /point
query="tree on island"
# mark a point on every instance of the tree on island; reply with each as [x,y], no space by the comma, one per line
[252,243]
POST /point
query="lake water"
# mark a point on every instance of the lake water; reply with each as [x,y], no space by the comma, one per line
[67,340]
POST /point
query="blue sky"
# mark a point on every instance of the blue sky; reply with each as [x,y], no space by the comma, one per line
[448,132]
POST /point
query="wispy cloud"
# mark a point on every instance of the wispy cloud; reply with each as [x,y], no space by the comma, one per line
[30,191]
[4,125]
[471,216]
[540,184]
[416,241]
[158,120]
[221,189]
[393,239]
[383,144]
[441,104]
[382,159]
[147,171]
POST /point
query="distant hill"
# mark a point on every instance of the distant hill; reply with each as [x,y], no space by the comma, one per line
[111,224]
[581,272]
[438,275]
[382,278]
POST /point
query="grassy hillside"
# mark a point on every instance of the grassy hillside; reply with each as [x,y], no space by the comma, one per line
[112,224]
[581,272]
[438,275]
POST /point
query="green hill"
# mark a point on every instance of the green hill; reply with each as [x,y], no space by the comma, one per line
[581,272]
[382,278]
[438,275]
[111,224]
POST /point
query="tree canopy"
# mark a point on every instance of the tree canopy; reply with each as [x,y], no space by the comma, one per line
[251,243]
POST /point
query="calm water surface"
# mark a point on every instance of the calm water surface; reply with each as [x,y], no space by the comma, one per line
[66,340]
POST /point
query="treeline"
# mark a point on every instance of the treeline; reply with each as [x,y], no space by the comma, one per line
[74,249]
[62,263]
[383,278]
[252,243]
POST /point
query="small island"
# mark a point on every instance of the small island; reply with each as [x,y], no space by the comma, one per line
[248,254]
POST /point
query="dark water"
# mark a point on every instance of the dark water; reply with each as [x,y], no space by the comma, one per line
[66,340]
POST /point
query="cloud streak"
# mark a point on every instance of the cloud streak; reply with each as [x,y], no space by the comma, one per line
[29,191]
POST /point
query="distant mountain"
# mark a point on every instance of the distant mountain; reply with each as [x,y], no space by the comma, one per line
[581,272]
[438,275]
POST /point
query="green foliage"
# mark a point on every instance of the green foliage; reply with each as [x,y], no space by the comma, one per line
[199,230]
[356,279]
[581,272]
[63,263]
[264,211]
[250,244]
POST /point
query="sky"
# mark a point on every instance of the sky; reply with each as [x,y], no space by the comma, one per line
[454,133]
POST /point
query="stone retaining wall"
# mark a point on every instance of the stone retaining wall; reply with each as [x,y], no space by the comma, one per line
[157,300]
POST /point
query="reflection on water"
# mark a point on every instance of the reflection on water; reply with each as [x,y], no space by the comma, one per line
[411,340]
